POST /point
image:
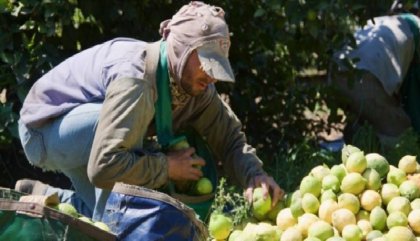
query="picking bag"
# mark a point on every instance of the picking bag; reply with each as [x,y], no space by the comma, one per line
[26,221]
[137,213]
[200,203]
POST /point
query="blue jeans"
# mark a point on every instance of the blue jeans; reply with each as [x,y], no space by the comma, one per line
[64,145]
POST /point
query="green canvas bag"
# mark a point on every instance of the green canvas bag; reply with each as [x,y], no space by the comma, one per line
[27,221]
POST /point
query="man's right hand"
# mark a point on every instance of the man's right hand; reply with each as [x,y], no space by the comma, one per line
[181,166]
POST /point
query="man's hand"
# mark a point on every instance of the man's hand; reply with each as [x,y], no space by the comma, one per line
[181,166]
[268,185]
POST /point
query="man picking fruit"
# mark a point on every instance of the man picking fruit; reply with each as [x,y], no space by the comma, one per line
[94,116]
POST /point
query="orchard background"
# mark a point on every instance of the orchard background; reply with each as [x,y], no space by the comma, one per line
[281,54]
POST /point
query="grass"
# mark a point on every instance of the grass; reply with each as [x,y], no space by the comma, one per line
[291,165]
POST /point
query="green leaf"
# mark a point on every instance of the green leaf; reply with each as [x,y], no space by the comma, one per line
[260,12]
[28,25]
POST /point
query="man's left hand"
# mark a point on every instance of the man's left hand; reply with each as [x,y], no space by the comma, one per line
[268,185]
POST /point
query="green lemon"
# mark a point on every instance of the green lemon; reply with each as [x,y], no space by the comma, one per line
[203,186]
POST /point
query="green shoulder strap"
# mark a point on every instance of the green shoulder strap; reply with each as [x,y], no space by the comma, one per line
[410,89]
[163,116]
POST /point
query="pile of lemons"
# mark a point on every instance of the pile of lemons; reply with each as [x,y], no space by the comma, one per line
[364,198]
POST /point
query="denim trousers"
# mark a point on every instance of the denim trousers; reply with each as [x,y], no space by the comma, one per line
[63,145]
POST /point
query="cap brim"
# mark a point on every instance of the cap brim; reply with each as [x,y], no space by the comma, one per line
[215,64]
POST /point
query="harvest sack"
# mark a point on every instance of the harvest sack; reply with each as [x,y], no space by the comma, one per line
[137,213]
[200,203]
[26,221]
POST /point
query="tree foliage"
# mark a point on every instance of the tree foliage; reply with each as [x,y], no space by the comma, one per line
[275,45]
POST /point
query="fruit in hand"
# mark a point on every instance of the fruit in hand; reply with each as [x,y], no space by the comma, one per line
[182,144]
[184,186]
[260,205]
[203,186]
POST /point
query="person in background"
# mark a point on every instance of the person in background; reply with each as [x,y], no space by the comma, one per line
[387,59]
[92,117]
